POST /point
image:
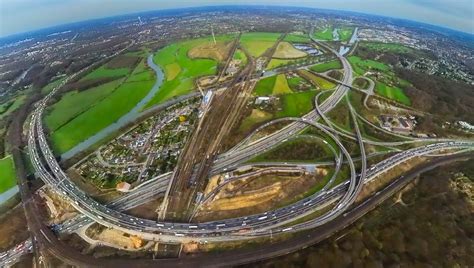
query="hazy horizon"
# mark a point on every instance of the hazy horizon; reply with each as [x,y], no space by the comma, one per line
[21,16]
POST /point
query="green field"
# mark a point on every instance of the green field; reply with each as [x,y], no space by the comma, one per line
[7,174]
[294,82]
[257,43]
[275,63]
[103,71]
[299,149]
[281,85]
[297,38]
[296,104]
[142,72]
[8,108]
[264,87]
[323,83]
[240,55]
[324,34]
[79,115]
[327,66]
[46,89]
[345,33]
[74,103]
[256,117]
[387,47]
[273,85]
[361,66]
[394,93]
[99,116]
[182,82]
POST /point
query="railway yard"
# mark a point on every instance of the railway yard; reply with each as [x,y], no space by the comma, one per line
[274,139]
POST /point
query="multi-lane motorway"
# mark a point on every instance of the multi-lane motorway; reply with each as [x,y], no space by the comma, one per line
[341,196]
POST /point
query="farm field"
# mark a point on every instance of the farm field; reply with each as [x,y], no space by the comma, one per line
[361,66]
[293,82]
[117,67]
[257,43]
[264,87]
[319,81]
[274,85]
[99,116]
[324,34]
[79,115]
[296,104]
[172,70]
[217,52]
[297,38]
[181,70]
[286,50]
[394,93]
[292,105]
[104,71]
[275,63]
[345,33]
[327,66]
[142,72]
[323,83]
[74,103]
[240,55]
[257,116]
[281,85]
[7,174]
[8,108]
[46,89]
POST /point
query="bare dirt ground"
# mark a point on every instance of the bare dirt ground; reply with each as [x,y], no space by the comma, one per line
[212,184]
[114,237]
[247,197]
[146,211]
[286,50]
[13,228]
[217,52]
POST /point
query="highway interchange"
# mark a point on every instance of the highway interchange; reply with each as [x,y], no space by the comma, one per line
[340,197]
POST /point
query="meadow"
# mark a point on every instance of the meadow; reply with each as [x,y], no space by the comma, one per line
[273,85]
[361,66]
[257,43]
[76,102]
[296,104]
[286,50]
[327,66]
[324,34]
[391,92]
[100,115]
[181,70]
[79,115]
[297,38]
[7,174]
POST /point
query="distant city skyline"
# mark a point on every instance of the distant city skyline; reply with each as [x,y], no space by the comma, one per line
[27,15]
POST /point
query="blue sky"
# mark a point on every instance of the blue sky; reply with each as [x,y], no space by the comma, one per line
[25,15]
